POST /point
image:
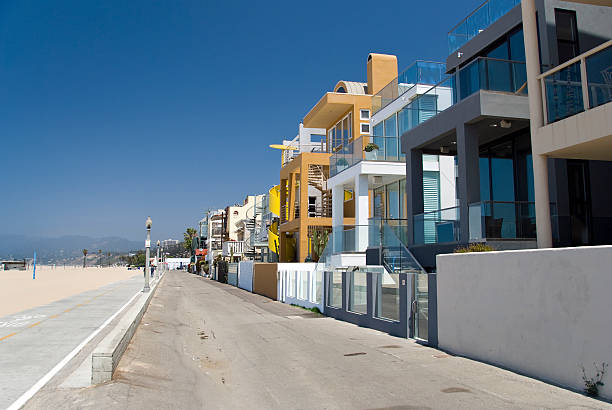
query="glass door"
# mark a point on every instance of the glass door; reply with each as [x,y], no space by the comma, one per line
[420,307]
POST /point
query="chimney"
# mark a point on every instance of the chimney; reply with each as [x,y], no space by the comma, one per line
[382,69]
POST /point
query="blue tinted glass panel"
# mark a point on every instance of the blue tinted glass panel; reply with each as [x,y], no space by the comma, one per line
[502,179]
[485,193]
[517,46]
[393,201]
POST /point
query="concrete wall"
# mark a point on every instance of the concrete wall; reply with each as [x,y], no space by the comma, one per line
[542,313]
[245,275]
[265,279]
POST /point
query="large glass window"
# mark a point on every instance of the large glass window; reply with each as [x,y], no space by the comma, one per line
[393,201]
[341,133]
[379,202]
[567,34]
[391,144]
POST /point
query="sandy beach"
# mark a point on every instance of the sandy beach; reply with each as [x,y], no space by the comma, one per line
[18,291]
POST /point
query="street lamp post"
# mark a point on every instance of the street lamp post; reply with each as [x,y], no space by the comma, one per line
[147,255]
[157,262]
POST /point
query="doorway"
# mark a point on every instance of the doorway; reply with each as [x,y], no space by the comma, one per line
[579,190]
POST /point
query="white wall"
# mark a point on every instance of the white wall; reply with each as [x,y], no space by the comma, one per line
[174,263]
[245,275]
[541,312]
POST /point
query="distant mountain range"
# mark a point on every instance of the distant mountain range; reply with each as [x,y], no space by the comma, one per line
[62,248]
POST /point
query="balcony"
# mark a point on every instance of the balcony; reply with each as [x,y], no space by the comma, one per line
[481,18]
[580,84]
[235,248]
[419,72]
[439,226]
[486,74]
[365,148]
[502,220]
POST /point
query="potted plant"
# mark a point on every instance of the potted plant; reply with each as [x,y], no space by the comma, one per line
[371,150]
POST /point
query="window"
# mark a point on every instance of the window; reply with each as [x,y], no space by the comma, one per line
[567,34]
[364,114]
[341,133]
[365,128]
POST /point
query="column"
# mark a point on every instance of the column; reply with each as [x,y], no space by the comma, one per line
[414,191]
[337,214]
[536,119]
[469,176]
[361,212]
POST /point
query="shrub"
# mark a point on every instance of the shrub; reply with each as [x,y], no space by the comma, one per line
[475,247]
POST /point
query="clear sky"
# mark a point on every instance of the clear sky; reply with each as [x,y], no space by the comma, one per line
[113,110]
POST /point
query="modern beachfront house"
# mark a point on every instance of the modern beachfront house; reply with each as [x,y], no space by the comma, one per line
[344,117]
[485,126]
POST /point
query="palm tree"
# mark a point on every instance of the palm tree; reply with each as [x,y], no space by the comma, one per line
[100,257]
[84,256]
[188,236]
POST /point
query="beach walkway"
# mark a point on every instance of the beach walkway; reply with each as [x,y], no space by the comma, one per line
[34,341]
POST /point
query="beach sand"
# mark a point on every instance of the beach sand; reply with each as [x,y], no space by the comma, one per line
[18,291]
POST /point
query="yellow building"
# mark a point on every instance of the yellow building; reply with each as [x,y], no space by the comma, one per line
[305,199]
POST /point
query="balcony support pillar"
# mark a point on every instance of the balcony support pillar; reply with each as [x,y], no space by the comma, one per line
[536,119]
[469,176]
[414,191]
[361,212]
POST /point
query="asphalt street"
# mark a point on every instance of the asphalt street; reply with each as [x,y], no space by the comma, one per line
[202,344]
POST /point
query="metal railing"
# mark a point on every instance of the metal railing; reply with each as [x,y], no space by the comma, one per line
[579,84]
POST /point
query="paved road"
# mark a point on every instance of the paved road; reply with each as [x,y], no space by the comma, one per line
[34,341]
[206,345]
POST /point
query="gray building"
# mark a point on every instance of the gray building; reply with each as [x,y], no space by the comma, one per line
[486,128]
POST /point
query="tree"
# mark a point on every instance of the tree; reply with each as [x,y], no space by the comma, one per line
[100,257]
[188,236]
[84,256]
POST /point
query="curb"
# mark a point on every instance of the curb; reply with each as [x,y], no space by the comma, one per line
[108,353]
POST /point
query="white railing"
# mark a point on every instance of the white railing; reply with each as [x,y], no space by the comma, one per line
[233,247]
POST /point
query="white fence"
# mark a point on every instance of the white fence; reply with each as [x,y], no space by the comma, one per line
[299,284]
[235,248]
[544,313]
[245,275]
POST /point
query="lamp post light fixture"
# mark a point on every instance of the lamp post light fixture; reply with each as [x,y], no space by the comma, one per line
[157,262]
[147,255]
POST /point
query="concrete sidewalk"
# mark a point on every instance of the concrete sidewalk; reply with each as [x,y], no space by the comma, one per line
[34,341]
[202,344]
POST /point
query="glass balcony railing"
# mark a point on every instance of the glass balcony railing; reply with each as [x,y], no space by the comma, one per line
[599,77]
[579,84]
[477,21]
[486,74]
[438,226]
[502,220]
[419,72]
[564,93]
[365,148]
[493,75]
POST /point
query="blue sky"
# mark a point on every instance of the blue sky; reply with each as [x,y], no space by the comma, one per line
[115,110]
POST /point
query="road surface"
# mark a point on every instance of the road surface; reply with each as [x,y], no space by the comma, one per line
[202,344]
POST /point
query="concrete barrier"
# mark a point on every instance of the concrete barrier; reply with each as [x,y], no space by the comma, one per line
[543,312]
[108,353]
